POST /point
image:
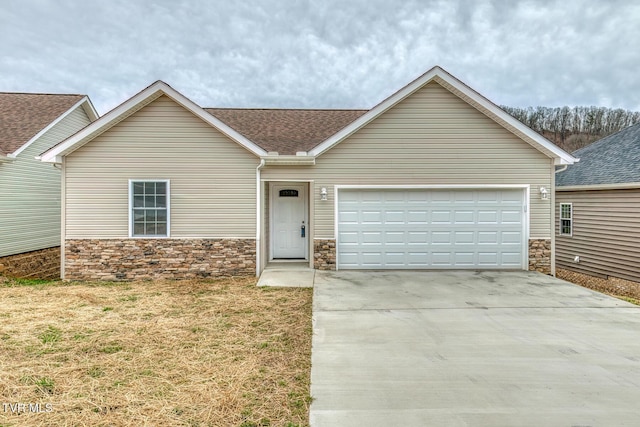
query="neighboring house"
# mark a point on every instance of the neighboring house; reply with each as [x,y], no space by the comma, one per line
[29,189]
[434,177]
[598,214]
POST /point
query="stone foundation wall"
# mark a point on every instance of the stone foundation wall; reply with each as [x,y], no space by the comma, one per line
[540,255]
[324,254]
[42,264]
[149,259]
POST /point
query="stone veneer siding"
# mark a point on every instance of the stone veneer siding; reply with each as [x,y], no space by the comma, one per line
[540,255]
[146,259]
[41,264]
[324,254]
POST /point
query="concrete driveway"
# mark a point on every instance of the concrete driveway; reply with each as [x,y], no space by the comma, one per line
[471,349]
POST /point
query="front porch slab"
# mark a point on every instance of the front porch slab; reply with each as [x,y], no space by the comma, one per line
[288,274]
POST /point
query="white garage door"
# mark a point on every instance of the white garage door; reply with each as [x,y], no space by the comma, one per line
[422,229]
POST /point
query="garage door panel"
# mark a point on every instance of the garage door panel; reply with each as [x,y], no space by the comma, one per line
[417,237]
[371,237]
[441,238]
[430,229]
[487,217]
[511,259]
[488,237]
[441,217]
[441,259]
[395,238]
[465,258]
[511,237]
[348,217]
[395,217]
[464,217]
[371,217]
[510,217]
[464,237]
[418,217]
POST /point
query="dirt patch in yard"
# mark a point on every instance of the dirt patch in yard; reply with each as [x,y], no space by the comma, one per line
[182,353]
[619,288]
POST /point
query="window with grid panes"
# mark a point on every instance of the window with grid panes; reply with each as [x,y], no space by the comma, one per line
[149,208]
[566,219]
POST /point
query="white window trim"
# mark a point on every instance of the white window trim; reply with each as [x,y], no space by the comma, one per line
[570,234]
[168,182]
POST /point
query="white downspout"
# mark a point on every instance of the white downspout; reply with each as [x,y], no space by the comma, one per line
[258,217]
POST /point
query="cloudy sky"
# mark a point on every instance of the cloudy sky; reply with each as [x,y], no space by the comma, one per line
[323,53]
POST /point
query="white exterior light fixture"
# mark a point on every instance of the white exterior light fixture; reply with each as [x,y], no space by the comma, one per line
[323,194]
[544,193]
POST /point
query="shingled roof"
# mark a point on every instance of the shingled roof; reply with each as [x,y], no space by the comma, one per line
[23,115]
[285,131]
[614,159]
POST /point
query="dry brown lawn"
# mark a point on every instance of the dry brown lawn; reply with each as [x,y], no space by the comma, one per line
[186,353]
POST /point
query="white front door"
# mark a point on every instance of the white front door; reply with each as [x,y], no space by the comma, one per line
[289,228]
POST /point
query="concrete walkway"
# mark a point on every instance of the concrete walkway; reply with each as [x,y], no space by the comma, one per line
[287,274]
[471,349]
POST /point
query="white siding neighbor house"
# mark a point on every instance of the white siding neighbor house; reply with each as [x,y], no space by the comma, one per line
[434,177]
[30,191]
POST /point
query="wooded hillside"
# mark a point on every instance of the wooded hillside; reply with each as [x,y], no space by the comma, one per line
[572,128]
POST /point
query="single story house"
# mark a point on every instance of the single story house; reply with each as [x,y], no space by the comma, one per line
[434,177]
[31,123]
[598,211]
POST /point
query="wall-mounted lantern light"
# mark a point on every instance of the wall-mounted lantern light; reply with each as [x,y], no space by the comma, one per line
[323,194]
[544,193]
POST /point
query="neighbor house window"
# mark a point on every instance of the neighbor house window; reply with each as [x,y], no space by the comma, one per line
[566,219]
[149,208]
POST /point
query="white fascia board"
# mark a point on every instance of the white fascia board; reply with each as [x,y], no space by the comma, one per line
[7,159]
[618,186]
[561,156]
[80,104]
[146,96]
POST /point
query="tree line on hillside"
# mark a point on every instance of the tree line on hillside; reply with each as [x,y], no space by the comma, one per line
[572,128]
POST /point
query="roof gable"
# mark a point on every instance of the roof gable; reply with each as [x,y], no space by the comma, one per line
[468,95]
[614,159]
[24,117]
[135,103]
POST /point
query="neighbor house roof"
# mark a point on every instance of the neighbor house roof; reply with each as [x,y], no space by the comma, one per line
[614,159]
[286,131]
[24,115]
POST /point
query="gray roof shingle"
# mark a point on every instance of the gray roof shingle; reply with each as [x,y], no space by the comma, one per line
[614,159]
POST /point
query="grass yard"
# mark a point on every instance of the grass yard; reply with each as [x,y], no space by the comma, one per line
[181,353]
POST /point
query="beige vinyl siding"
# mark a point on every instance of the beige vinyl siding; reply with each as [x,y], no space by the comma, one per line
[430,138]
[212,178]
[30,192]
[606,233]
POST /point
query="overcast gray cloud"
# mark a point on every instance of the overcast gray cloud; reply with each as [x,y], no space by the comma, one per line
[323,53]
